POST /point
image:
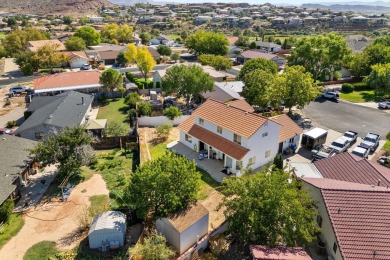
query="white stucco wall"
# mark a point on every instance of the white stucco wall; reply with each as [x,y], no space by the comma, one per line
[165,228]
[286,143]
[77,63]
[327,233]
[95,238]
[190,236]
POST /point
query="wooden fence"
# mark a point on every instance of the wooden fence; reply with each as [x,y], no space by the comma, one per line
[111,142]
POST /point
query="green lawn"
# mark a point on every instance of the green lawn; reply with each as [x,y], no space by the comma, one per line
[207,184]
[115,110]
[2,36]
[361,96]
[40,251]
[158,150]
[11,229]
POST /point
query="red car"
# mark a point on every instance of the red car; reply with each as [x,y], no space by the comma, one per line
[6,131]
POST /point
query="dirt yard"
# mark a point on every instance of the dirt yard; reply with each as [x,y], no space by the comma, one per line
[55,221]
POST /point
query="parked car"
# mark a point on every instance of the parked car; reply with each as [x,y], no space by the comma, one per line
[330,95]
[371,141]
[361,152]
[320,152]
[384,160]
[351,136]
[6,131]
[340,145]
[86,67]
[384,105]
[19,90]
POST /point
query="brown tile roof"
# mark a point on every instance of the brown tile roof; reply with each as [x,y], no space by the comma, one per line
[278,253]
[241,104]
[347,167]
[35,45]
[76,54]
[252,54]
[183,219]
[109,55]
[360,218]
[288,129]
[67,79]
[229,117]
[228,147]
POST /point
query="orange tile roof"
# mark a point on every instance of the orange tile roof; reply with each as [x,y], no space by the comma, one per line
[67,79]
[241,104]
[230,117]
[228,147]
[288,129]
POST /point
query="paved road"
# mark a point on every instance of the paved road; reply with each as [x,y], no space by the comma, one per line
[343,116]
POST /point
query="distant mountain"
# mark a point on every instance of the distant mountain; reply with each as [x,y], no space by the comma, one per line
[76,7]
[353,3]
[364,9]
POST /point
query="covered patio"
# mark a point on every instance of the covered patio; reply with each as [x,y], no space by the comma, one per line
[213,166]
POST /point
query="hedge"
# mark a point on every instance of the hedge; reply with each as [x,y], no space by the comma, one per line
[347,88]
[139,82]
[361,86]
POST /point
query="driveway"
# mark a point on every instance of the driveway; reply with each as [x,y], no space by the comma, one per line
[343,116]
[54,221]
[16,114]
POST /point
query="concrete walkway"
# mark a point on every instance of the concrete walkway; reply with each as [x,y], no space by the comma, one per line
[17,114]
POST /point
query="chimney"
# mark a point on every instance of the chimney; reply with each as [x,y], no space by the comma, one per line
[379,182]
[82,100]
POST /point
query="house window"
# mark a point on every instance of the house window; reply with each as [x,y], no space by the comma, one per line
[252,160]
[265,134]
[237,139]
[319,221]
[38,135]
[188,138]
[335,247]
[219,130]
[201,121]
[267,153]
[238,165]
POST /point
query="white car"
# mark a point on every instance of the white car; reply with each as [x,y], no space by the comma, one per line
[340,145]
[330,95]
[86,67]
[361,152]
[384,105]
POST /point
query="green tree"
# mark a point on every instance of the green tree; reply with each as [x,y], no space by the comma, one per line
[242,41]
[217,62]
[144,108]
[27,69]
[163,186]
[67,19]
[359,65]
[84,20]
[121,59]
[89,35]
[70,148]
[48,56]
[27,60]
[163,131]
[111,79]
[116,129]
[172,112]
[145,37]
[154,247]
[75,44]
[377,53]
[164,50]
[258,63]
[278,161]
[186,81]
[267,209]
[320,55]
[175,56]
[121,33]
[259,87]
[11,21]
[6,210]
[379,78]
[125,33]
[204,42]
[15,41]
[131,99]
[141,57]
[296,87]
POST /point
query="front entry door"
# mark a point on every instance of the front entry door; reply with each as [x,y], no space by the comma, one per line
[229,162]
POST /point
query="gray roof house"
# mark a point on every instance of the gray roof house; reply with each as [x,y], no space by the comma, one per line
[51,114]
[224,91]
[15,163]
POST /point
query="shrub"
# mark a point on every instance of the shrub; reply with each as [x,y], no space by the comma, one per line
[130,76]
[131,99]
[101,67]
[144,108]
[388,136]
[6,210]
[172,112]
[347,88]
[361,86]
[7,103]
[337,75]
[278,161]
[163,131]
[11,124]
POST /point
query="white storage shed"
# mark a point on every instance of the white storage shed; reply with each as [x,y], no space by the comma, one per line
[108,230]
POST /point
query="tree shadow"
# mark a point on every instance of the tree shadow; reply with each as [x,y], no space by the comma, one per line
[371,97]
[71,237]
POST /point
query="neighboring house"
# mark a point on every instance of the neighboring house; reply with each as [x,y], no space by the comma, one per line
[108,57]
[77,59]
[83,81]
[289,134]
[237,137]
[282,253]
[224,91]
[183,229]
[268,46]
[105,52]
[35,45]
[201,19]
[357,43]
[253,54]
[360,20]
[96,19]
[16,165]
[162,40]
[354,218]
[155,54]
[55,113]
[233,51]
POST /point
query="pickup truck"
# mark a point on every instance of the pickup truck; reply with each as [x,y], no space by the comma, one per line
[351,136]
[330,95]
[371,141]
[340,145]
[320,152]
[361,152]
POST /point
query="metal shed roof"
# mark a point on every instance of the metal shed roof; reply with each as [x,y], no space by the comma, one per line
[113,220]
[315,132]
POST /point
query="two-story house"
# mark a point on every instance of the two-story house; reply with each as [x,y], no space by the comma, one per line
[230,133]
